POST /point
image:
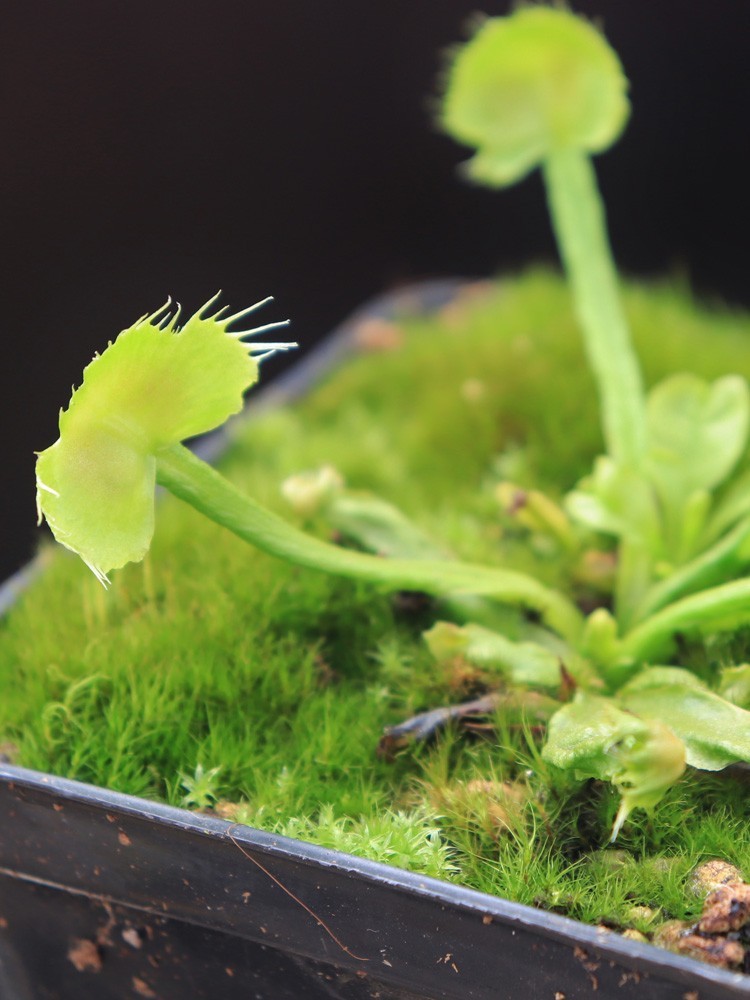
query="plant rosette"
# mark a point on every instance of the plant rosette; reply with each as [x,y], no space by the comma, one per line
[584,612]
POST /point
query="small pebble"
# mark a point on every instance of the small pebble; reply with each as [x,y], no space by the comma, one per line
[710,875]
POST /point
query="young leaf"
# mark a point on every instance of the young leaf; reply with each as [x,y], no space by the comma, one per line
[156,385]
[537,513]
[600,643]
[617,500]
[649,765]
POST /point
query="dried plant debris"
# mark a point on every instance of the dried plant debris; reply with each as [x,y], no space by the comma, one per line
[8,752]
[721,936]
[425,725]
[497,808]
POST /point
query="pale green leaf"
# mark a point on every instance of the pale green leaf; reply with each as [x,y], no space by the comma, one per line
[583,733]
[715,731]
[697,431]
[380,527]
[154,386]
[526,85]
[718,609]
[102,506]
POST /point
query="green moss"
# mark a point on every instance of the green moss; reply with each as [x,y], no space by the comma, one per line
[212,672]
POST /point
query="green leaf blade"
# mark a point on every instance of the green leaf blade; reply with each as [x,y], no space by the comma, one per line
[617,500]
[718,609]
[715,731]
[697,431]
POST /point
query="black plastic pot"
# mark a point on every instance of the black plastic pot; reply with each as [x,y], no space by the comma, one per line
[103,895]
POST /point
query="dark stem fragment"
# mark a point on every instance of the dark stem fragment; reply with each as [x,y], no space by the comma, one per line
[423,727]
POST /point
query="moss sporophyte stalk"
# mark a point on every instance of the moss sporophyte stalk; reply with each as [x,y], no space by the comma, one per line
[668,503]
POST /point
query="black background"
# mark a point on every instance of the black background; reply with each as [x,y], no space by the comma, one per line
[287,147]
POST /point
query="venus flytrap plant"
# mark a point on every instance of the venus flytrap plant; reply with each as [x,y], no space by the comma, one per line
[158,384]
[538,88]
[543,89]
